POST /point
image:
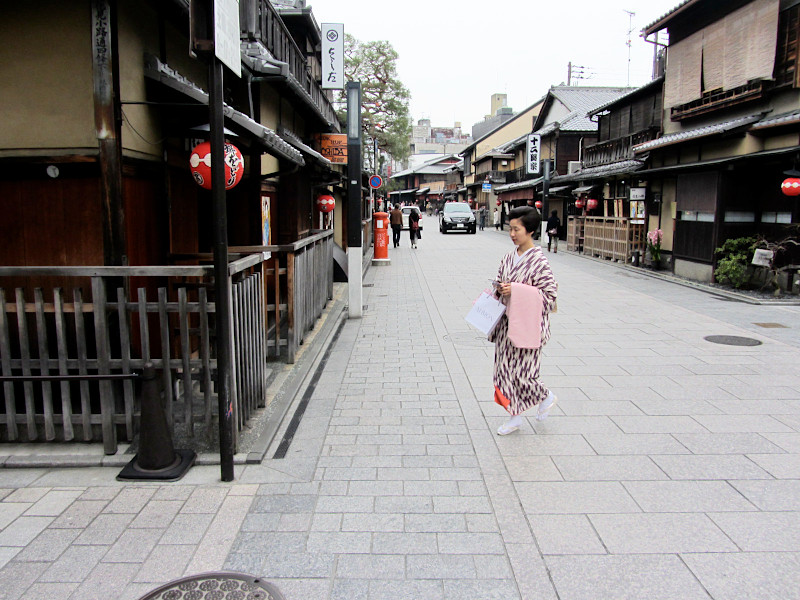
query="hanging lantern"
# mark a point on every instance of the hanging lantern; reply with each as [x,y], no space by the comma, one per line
[591,204]
[538,204]
[200,165]
[498,202]
[791,186]
[325,204]
[580,203]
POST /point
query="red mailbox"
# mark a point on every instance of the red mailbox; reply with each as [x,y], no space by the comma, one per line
[381,220]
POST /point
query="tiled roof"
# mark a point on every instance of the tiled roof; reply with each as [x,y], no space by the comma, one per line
[518,185]
[691,134]
[776,120]
[623,166]
[580,101]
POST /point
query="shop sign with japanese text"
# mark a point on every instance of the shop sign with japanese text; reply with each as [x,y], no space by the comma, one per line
[533,150]
[332,56]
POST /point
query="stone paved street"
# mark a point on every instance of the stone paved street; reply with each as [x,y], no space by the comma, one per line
[668,470]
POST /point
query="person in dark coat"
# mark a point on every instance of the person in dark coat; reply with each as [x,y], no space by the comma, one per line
[413,227]
[396,221]
[553,223]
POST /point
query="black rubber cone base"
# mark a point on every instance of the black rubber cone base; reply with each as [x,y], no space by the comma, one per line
[184,459]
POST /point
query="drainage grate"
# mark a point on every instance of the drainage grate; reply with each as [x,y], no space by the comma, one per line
[732,340]
[771,325]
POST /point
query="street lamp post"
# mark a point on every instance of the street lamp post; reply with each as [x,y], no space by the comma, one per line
[354,233]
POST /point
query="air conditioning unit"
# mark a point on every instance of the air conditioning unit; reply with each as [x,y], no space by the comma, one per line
[573,166]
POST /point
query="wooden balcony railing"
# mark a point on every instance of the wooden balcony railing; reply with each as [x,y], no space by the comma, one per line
[260,20]
[611,151]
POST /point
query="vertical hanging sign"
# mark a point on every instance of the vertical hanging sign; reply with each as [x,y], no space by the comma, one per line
[226,34]
[332,56]
[533,149]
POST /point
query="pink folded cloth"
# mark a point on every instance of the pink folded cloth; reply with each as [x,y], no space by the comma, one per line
[525,313]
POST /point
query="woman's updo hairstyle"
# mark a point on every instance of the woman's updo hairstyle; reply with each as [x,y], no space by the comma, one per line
[529,217]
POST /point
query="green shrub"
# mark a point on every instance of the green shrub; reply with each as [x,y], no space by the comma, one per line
[734,259]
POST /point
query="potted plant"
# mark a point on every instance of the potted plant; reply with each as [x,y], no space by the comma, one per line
[654,247]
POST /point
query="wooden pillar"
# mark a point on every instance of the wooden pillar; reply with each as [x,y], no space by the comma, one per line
[107,127]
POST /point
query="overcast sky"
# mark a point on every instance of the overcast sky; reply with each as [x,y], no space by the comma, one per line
[454,54]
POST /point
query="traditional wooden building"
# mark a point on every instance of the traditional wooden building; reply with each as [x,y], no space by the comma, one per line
[96,194]
[731,127]
[608,173]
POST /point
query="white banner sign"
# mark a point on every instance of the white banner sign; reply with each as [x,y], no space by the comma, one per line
[226,34]
[638,193]
[332,56]
[532,155]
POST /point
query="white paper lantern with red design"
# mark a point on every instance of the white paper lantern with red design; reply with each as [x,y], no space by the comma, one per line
[326,204]
[791,186]
[591,204]
[580,203]
[200,165]
[538,204]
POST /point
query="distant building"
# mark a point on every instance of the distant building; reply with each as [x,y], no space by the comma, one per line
[500,113]
[426,139]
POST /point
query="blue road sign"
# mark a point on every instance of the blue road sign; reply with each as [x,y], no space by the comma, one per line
[375,182]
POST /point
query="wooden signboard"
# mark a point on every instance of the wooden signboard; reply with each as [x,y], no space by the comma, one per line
[333,146]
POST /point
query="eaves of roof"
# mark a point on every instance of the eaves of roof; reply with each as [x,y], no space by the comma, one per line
[659,81]
[699,132]
[617,168]
[663,21]
[161,72]
[519,185]
[788,118]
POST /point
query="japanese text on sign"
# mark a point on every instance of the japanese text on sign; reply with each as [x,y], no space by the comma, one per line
[332,56]
[532,155]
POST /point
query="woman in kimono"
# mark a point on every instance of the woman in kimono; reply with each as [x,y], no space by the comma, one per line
[516,370]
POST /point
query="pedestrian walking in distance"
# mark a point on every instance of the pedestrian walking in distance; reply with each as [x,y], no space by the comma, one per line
[482,217]
[396,221]
[413,227]
[553,223]
[516,369]
[497,219]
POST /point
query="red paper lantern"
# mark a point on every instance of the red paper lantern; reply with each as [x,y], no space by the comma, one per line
[325,204]
[498,203]
[791,186]
[200,165]
[538,204]
[591,203]
[580,203]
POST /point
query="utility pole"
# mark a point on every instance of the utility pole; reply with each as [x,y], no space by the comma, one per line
[631,14]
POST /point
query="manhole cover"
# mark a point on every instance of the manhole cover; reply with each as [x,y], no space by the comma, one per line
[466,339]
[216,586]
[732,340]
[771,325]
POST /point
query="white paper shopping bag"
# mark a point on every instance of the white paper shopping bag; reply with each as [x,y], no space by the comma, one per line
[486,313]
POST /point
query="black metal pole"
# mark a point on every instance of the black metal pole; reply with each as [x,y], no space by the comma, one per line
[221,280]
[545,198]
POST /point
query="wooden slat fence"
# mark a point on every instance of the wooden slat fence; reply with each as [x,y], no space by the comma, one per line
[613,238]
[297,287]
[63,335]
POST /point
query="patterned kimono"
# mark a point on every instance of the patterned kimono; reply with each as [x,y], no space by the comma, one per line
[516,370]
